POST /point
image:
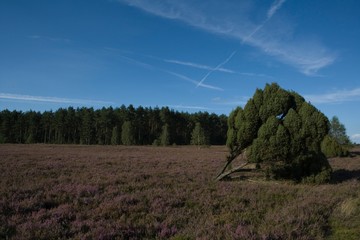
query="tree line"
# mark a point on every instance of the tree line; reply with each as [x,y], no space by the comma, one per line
[122,125]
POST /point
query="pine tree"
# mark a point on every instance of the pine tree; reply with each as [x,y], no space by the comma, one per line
[87,126]
[338,131]
[115,136]
[127,133]
[331,148]
[198,136]
[165,135]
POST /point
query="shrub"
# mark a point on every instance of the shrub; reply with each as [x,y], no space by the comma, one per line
[331,148]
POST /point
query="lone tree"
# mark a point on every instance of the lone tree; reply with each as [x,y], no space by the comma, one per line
[338,131]
[281,134]
[335,144]
[198,136]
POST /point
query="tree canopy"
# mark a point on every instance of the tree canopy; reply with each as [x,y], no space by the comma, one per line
[338,131]
[144,126]
[280,132]
[198,136]
[335,144]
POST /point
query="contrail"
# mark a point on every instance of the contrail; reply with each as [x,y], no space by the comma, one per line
[270,13]
[196,65]
[216,68]
[151,67]
[193,81]
[255,31]
[274,7]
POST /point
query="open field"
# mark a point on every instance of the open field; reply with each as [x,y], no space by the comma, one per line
[117,192]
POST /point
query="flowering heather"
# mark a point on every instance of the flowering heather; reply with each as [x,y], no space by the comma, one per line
[118,192]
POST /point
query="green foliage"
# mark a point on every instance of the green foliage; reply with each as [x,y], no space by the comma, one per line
[248,129]
[115,136]
[293,124]
[283,133]
[29,139]
[338,131]
[127,133]
[198,136]
[87,126]
[331,148]
[276,102]
[96,126]
[314,127]
[345,220]
[232,140]
[156,143]
[165,136]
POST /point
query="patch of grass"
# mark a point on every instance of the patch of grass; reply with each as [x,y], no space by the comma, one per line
[346,219]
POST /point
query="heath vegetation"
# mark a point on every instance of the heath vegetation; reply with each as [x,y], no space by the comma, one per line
[120,192]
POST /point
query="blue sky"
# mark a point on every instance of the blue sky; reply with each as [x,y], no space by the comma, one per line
[190,55]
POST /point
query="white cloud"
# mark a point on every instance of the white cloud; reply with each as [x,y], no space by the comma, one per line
[232,19]
[189,107]
[239,101]
[47,38]
[356,137]
[335,97]
[30,98]
[255,75]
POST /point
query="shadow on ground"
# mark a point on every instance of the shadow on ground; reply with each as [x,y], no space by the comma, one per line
[343,175]
[354,153]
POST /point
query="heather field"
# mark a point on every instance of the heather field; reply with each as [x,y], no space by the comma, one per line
[117,192]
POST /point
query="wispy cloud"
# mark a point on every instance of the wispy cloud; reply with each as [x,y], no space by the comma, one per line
[238,101]
[189,107]
[178,75]
[47,38]
[138,63]
[30,98]
[232,19]
[335,97]
[221,69]
[270,13]
[216,68]
[276,5]
[179,62]
[255,75]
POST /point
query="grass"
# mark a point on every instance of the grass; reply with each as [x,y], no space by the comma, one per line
[117,192]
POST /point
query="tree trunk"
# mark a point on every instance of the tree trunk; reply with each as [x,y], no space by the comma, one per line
[223,174]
